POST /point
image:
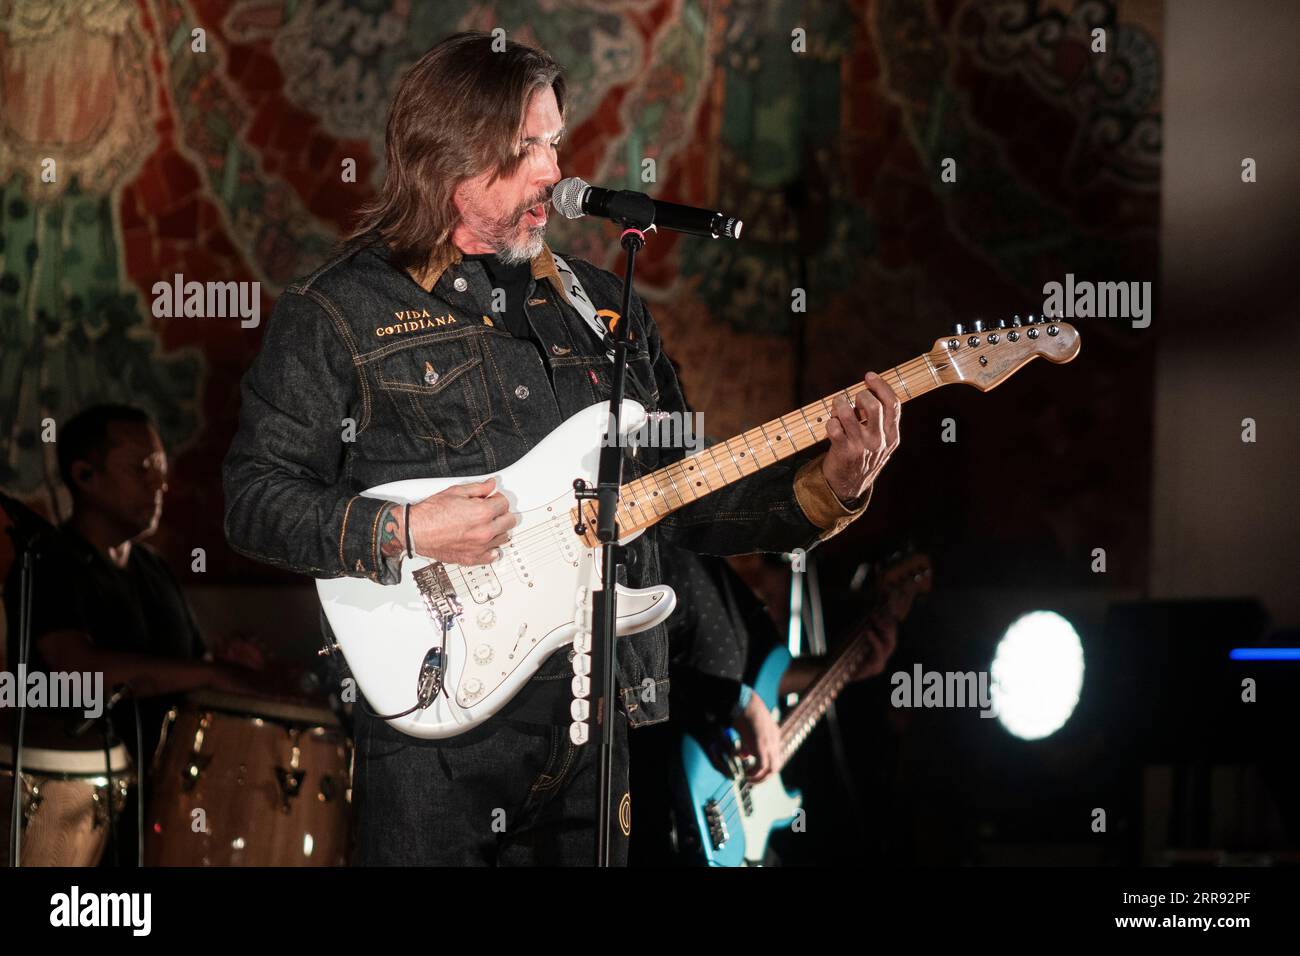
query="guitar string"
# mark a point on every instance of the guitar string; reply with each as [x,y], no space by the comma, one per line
[805,715]
[726,797]
[921,368]
[539,548]
[721,466]
[534,546]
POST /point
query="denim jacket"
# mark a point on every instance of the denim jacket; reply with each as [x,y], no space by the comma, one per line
[369,374]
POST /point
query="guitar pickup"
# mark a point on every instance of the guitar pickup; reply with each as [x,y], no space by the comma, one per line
[482,580]
[719,835]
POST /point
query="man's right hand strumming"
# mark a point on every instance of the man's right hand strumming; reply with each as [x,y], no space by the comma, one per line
[464,524]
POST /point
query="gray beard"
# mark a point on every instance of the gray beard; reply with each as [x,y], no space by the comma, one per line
[524,250]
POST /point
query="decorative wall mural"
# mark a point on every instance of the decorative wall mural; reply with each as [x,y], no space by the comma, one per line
[223,164]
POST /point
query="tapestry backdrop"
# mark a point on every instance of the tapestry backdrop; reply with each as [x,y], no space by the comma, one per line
[212,138]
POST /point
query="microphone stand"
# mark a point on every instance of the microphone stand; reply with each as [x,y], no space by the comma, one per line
[24,639]
[26,531]
[604,663]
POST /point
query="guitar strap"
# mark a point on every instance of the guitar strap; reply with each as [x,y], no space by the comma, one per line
[580,301]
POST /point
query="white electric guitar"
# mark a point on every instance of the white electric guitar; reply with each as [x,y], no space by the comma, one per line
[447,647]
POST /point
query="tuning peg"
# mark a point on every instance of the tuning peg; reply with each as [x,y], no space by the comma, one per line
[958,329]
[1002,323]
[1032,321]
[978,326]
[1015,321]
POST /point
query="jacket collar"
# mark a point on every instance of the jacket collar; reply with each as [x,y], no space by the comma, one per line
[447,255]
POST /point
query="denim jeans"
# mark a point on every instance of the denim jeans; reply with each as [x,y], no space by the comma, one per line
[508,793]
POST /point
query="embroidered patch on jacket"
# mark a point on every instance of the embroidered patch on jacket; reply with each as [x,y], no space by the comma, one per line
[414,320]
[625,814]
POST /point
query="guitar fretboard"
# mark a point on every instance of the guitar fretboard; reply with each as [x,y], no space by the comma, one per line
[648,499]
[799,723]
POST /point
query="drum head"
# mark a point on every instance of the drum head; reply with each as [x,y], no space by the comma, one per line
[49,749]
[292,711]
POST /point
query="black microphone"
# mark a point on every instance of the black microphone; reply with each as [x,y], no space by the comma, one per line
[573,199]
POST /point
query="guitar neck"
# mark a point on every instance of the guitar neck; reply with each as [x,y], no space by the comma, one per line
[652,497]
[799,723]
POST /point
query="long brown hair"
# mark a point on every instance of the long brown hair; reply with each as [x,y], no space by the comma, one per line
[458,111]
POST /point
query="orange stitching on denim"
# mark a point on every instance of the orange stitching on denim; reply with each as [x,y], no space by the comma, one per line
[343,530]
[374,539]
[345,334]
[554,779]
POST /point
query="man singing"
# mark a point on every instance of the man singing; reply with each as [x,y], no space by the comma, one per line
[391,362]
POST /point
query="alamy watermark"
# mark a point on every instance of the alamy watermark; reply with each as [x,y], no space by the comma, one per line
[129,910]
[922,688]
[1102,300]
[661,430]
[70,690]
[208,300]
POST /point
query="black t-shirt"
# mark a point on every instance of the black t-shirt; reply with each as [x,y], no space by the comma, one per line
[138,609]
[718,635]
[513,279]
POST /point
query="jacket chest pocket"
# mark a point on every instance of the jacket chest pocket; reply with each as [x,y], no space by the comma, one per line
[438,389]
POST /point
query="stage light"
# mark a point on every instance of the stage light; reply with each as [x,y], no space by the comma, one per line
[1265,654]
[1037,674]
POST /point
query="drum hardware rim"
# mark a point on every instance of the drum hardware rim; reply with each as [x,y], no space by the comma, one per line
[291,778]
[112,802]
[246,708]
[99,780]
[119,786]
[46,760]
[285,723]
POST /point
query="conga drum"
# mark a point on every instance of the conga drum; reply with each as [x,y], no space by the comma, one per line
[247,781]
[70,789]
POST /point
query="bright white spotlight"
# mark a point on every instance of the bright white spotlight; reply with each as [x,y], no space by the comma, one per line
[1037,674]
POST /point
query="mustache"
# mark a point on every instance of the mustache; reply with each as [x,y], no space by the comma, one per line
[544,198]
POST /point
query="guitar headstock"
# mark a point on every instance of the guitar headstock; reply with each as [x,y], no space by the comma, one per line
[911,571]
[987,357]
[900,581]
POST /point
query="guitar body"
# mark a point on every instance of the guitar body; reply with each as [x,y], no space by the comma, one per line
[503,619]
[728,821]
[735,819]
